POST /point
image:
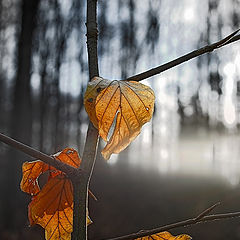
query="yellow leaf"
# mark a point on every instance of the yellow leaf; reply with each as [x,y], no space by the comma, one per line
[165,236]
[126,106]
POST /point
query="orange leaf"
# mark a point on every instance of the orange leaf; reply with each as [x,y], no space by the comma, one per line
[165,236]
[69,156]
[32,170]
[124,106]
[51,206]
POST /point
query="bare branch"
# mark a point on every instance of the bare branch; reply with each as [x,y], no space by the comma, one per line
[69,170]
[89,154]
[207,211]
[209,48]
[80,186]
[199,219]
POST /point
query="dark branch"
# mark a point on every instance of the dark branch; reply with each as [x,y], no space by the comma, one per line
[207,211]
[92,38]
[69,170]
[209,48]
[89,154]
[199,219]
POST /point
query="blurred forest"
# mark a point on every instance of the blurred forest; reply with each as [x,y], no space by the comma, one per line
[43,76]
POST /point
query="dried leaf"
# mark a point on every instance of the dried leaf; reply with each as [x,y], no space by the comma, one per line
[69,156]
[51,206]
[126,106]
[165,236]
[32,170]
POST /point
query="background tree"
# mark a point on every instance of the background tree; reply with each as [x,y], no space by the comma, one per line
[56,110]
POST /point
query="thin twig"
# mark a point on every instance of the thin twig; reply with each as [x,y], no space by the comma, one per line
[69,170]
[207,211]
[184,223]
[209,48]
[89,154]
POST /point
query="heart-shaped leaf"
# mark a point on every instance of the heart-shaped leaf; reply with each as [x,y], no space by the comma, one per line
[121,105]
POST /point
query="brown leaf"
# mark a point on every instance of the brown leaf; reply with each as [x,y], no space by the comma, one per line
[52,206]
[126,106]
[165,236]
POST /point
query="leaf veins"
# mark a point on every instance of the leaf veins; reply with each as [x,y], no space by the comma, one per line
[127,104]
[52,206]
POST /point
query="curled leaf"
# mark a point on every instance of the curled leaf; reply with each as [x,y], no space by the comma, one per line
[165,236]
[32,170]
[69,156]
[52,206]
[123,106]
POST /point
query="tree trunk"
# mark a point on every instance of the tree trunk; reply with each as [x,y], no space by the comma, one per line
[21,117]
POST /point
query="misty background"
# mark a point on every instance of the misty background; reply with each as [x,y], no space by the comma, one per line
[185,160]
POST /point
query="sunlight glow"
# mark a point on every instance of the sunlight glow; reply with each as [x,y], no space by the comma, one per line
[229,69]
[229,108]
[229,112]
[163,130]
[237,63]
[164,153]
[146,135]
[35,81]
[188,15]
[163,114]
[113,159]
